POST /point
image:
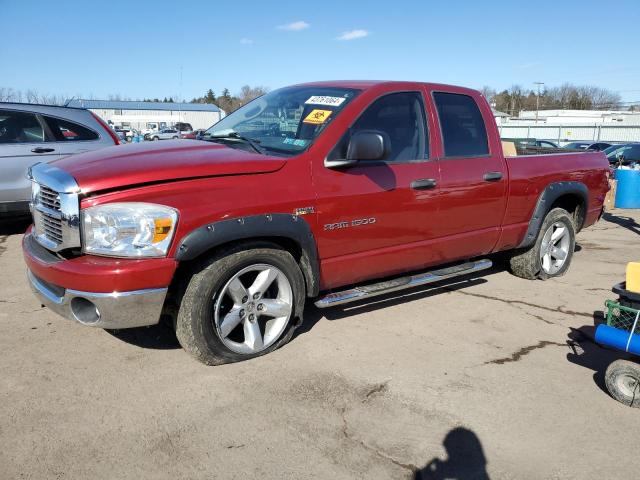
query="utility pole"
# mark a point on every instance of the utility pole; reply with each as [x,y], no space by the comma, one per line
[538,98]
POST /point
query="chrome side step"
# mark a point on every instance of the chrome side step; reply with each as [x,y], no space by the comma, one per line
[360,292]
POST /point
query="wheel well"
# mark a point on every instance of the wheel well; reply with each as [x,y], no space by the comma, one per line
[575,205]
[186,267]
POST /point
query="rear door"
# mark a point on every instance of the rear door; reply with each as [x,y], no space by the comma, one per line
[376,216]
[23,142]
[473,183]
[70,137]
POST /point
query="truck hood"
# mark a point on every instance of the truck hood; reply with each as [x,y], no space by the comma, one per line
[170,160]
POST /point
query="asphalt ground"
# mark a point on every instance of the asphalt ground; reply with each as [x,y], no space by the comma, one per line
[492,375]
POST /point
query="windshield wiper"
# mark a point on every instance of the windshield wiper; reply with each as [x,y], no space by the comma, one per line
[252,142]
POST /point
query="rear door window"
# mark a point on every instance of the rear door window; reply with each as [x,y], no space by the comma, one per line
[463,129]
[64,130]
[20,127]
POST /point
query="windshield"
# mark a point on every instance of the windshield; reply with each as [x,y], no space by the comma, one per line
[631,152]
[285,121]
[611,149]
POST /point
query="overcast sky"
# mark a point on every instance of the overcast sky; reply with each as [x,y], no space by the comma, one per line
[138,49]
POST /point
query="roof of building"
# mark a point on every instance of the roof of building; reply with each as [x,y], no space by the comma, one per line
[498,113]
[129,105]
[575,113]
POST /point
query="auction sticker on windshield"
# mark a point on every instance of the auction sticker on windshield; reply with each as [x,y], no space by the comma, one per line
[324,100]
[317,117]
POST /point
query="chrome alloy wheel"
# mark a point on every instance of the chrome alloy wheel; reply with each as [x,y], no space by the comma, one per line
[554,249]
[253,308]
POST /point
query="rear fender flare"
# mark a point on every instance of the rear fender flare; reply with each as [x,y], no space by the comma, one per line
[282,225]
[549,195]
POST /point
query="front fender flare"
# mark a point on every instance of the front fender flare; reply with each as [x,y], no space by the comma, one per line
[291,227]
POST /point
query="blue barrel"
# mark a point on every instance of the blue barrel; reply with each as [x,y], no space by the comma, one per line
[628,189]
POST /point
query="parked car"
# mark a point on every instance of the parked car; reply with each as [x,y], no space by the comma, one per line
[624,154]
[122,134]
[128,132]
[597,146]
[369,183]
[183,128]
[164,134]
[195,135]
[41,133]
[531,142]
[151,128]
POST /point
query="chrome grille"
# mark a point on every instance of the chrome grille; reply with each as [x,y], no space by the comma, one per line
[55,208]
[49,198]
[52,228]
[50,223]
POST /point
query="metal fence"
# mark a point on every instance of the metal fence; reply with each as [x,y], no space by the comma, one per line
[562,134]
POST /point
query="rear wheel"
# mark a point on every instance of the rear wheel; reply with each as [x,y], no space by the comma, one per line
[551,254]
[623,382]
[174,137]
[240,305]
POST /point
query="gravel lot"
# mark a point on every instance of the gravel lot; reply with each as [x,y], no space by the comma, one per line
[495,373]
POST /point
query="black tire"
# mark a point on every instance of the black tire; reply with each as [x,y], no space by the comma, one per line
[623,382]
[155,139]
[195,325]
[175,138]
[527,264]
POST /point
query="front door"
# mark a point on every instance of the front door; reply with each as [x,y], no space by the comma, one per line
[375,216]
[22,143]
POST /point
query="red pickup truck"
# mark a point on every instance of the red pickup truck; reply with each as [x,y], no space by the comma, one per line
[335,191]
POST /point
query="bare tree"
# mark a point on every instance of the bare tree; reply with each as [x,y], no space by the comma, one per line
[488,93]
[248,93]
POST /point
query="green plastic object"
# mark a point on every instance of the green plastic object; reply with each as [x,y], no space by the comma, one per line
[621,317]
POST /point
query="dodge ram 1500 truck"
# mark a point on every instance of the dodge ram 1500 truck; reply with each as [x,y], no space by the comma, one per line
[335,191]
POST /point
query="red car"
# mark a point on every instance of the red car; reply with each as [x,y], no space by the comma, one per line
[193,135]
[335,191]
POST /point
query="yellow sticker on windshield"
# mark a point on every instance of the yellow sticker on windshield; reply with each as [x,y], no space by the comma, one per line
[317,117]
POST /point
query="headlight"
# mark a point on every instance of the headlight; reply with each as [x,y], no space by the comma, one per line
[128,229]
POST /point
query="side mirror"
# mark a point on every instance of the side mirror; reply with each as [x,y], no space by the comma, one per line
[363,145]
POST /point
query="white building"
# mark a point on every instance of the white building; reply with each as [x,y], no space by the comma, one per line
[499,116]
[139,115]
[574,117]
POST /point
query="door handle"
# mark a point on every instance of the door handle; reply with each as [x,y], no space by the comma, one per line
[492,176]
[424,184]
[43,150]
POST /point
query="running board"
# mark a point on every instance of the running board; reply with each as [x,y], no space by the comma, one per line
[365,291]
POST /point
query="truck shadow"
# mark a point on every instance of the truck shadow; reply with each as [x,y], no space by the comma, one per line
[156,337]
[313,314]
[625,222]
[163,337]
[588,354]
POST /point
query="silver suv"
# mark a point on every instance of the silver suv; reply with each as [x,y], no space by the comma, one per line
[42,133]
[165,134]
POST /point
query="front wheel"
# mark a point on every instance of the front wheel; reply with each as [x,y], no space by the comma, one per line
[241,304]
[155,139]
[551,254]
[623,382]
